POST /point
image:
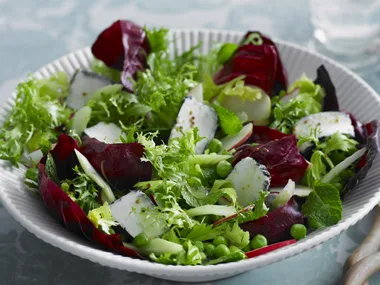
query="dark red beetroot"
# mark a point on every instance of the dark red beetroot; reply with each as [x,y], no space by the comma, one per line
[123,46]
[281,157]
[67,211]
[269,248]
[120,164]
[263,134]
[275,226]
[260,64]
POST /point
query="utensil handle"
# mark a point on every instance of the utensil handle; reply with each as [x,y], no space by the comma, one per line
[361,271]
[370,245]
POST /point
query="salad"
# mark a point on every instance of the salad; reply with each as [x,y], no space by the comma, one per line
[187,158]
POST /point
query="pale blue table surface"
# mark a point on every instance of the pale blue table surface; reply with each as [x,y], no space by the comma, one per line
[32,33]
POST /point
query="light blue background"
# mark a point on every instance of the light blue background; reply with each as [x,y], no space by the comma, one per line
[32,33]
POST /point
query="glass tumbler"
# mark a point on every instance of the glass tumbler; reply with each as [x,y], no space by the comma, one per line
[348,31]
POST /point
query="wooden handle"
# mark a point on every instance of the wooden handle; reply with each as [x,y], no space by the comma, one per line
[370,245]
[361,271]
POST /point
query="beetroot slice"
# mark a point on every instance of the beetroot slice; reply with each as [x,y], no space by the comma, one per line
[123,46]
[120,164]
[269,248]
[260,64]
[68,212]
[281,157]
[264,134]
[275,226]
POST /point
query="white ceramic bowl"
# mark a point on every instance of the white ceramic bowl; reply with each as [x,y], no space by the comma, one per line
[354,95]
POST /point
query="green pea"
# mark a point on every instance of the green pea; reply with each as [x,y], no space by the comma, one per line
[219,240]
[209,250]
[234,249]
[215,146]
[226,51]
[223,168]
[247,248]
[258,241]
[221,250]
[199,245]
[65,186]
[298,231]
[141,240]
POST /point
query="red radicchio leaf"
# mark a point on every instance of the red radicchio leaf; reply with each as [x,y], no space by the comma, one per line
[264,134]
[364,165]
[275,226]
[361,132]
[261,65]
[123,46]
[120,163]
[66,210]
[64,156]
[330,101]
[281,157]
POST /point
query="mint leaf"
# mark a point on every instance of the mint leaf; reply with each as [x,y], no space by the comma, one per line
[323,205]
[228,121]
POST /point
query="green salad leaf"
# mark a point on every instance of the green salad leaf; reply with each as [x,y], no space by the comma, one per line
[326,154]
[51,169]
[260,210]
[158,39]
[100,68]
[308,101]
[236,236]
[339,142]
[232,257]
[203,232]
[323,206]
[317,168]
[191,256]
[162,91]
[235,87]
[102,218]
[32,122]
[31,177]
[228,121]
[200,196]
[111,104]
[82,190]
